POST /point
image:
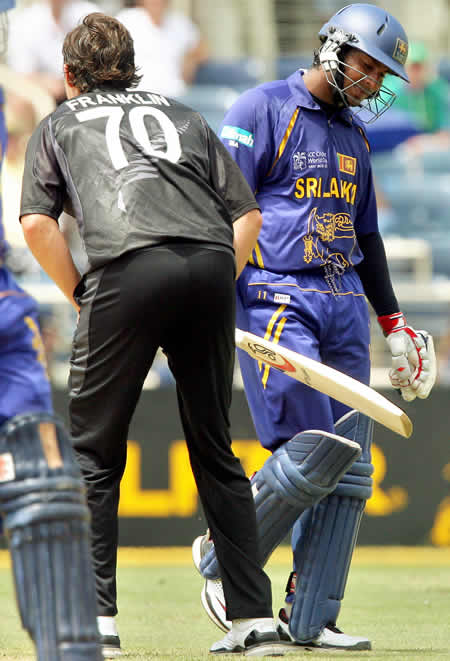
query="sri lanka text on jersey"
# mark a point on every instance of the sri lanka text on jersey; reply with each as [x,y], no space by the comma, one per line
[316,187]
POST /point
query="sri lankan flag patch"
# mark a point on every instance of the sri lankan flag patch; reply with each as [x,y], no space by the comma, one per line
[347,164]
[400,51]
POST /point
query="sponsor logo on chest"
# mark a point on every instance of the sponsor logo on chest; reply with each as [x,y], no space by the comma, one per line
[235,135]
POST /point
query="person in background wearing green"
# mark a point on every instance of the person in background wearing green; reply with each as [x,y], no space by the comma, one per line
[426,98]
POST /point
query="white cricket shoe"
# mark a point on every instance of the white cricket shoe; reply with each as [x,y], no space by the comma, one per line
[330,638]
[200,547]
[212,596]
[251,637]
[213,601]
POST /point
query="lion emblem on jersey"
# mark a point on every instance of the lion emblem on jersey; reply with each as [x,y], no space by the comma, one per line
[324,229]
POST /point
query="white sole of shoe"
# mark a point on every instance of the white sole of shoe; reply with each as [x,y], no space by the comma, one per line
[210,613]
[196,553]
[313,647]
[267,649]
[112,652]
[358,647]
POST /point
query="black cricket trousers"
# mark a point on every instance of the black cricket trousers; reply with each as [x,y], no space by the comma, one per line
[180,297]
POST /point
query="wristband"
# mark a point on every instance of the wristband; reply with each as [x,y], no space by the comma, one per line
[390,323]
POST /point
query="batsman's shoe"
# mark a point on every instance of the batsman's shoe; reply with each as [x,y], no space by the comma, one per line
[213,601]
[212,596]
[251,637]
[330,638]
[111,646]
[200,547]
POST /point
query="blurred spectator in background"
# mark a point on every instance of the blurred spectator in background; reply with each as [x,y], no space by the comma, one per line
[326,8]
[20,122]
[168,46]
[25,105]
[426,99]
[36,37]
[22,114]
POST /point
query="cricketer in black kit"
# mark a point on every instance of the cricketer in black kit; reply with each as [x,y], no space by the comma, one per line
[167,221]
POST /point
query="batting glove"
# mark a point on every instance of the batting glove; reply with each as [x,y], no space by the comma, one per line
[413,369]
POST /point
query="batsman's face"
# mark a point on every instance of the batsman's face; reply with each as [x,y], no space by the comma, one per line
[363,77]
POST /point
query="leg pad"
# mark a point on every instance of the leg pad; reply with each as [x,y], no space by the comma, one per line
[328,536]
[296,476]
[47,521]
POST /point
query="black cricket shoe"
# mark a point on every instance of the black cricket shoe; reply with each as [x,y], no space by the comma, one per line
[110,646]
[251,637]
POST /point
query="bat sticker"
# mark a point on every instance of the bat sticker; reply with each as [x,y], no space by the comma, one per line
[271,357]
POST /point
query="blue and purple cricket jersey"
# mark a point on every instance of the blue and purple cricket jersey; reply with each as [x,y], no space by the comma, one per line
[24,384]
[312,178]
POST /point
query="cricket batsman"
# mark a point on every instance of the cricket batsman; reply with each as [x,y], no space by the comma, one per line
[319,257]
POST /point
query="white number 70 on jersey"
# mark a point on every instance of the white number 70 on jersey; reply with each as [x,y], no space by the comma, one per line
[114,115]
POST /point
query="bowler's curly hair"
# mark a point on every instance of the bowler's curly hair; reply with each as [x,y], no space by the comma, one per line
[100,53]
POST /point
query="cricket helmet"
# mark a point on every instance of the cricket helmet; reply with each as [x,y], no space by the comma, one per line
[373,31]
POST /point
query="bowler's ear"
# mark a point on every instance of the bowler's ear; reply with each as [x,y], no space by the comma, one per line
[68,76]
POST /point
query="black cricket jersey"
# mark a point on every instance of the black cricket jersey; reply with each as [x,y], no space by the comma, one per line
[136,169]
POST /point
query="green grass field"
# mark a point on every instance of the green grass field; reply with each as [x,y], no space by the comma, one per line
[399,597]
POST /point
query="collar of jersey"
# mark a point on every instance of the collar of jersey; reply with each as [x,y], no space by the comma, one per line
[304,99]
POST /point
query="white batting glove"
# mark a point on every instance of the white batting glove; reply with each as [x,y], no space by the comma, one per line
[413,369]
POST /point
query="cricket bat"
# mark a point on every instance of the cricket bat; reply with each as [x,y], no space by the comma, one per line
[327,380]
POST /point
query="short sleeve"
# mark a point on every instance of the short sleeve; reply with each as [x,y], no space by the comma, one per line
[367,219]
[247,134]
[227,179]
[43,186]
